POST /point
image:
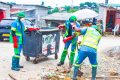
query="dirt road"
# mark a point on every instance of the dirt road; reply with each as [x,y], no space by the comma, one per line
[34,71]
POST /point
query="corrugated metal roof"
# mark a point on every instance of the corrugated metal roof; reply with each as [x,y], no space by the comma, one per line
[57,16]
[113,5]
[31,5]
[4,3]
[110,5]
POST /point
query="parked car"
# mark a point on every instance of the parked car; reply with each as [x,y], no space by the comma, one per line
[5,26]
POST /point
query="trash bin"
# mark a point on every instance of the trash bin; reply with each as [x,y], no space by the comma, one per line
[41,43]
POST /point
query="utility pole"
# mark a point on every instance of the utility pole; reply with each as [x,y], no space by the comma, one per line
[106,1]
[71,4]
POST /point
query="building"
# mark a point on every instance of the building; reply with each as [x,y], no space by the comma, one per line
[56,18]
[33,12]
[4,10]
[110,15]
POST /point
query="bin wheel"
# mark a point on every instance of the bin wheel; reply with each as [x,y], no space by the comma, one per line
[27,58]
[35,61]
[56,56]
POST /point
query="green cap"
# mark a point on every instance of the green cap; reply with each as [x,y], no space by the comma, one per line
[21,14]
[72,19]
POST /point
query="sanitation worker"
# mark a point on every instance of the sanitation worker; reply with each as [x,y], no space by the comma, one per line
[88,48]
[17,37]
[68,33]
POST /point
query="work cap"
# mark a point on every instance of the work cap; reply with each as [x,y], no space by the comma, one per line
[21,14]
[72,19]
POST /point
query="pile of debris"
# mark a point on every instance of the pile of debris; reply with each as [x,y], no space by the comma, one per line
[114,52]
[58,78]
[61,73]
[109,65]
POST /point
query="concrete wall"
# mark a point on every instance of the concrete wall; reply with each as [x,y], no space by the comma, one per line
[6,8]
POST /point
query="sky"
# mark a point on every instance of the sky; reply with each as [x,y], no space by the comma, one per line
[59,3]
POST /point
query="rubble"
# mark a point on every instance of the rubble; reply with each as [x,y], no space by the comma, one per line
[113,73]
[61,73]
[113,52]
[65,78]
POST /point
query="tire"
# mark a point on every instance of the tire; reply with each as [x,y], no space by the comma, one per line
[27,58]
[35,61]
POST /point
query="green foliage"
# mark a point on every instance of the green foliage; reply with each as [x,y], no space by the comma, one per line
[67,8]
[72,10]
[11,3]
[76,7]
[82,5]
[90,5]
[49,12]
[49,7]
[55,10]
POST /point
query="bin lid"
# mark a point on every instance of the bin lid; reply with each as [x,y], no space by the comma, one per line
[48,29]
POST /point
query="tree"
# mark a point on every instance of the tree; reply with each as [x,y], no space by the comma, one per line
[76,7]
[67,8]
[49,12]
[49,7]
[91,5]
[82,5]
[55,10]
[72,10]
[11,3]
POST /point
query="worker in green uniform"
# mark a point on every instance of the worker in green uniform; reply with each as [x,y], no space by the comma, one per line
[17,36]
[88,48]
[69,32]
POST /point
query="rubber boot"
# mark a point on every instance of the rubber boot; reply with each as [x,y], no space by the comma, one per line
[18,65]
[14,64]
[94,71]
[60,63]
[63,56]
[75,73]
[72,55]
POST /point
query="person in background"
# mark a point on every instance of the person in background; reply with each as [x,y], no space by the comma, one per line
[101,27]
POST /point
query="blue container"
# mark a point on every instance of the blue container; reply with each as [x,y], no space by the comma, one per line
[43,42]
